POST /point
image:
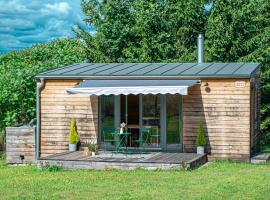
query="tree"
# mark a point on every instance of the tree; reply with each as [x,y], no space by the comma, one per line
[142,31]
[239,31]
[17,76]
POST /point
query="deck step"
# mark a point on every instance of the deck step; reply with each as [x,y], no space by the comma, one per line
[260,158]
[152,161]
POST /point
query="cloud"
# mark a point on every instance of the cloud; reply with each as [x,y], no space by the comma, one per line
[62,7]
[24,23]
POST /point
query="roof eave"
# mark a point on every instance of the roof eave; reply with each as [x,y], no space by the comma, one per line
[143,77]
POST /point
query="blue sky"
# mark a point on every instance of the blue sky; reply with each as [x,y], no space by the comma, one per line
[27,22]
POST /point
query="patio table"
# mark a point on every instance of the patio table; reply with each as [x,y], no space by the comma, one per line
[121,143]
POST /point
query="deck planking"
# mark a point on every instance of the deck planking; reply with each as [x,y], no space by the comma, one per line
[153,160]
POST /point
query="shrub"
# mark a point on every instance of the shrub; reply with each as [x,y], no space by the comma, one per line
[200,140]
[73,135]
[51,168]
[92,147]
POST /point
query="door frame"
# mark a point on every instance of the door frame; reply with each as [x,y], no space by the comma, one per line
[163,121]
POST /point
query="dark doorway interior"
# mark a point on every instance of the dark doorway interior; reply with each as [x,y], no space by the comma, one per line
[130,115]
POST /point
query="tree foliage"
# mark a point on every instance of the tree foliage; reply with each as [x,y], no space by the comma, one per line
[142,31]
[17,72]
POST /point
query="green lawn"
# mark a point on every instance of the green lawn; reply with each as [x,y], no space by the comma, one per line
[220,180]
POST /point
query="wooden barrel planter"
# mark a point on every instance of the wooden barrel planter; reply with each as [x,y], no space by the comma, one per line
[20,145]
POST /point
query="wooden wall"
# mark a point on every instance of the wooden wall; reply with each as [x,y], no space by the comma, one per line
[57,109]
[225,112]
[20,145]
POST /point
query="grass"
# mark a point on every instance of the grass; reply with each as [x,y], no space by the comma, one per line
[219,180]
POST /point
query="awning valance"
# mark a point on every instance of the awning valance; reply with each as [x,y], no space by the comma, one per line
[126,87]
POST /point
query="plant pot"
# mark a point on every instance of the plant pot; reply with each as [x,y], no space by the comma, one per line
[72,147]
[86,151]
[200,150]
[93,153]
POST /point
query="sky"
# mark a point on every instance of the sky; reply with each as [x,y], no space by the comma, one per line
[24,23]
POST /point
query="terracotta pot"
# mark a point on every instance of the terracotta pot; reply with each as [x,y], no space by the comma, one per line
[86,151]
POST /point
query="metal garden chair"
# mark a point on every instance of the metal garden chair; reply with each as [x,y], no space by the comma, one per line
[107,136]
[143,139]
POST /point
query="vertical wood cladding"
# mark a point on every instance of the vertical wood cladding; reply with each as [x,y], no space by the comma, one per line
[57,109]
[225,112]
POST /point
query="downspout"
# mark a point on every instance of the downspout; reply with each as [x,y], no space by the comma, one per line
[37,136]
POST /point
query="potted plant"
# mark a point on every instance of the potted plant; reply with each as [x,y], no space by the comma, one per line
[92,148]
[122,127]
[73,136]
[200,140]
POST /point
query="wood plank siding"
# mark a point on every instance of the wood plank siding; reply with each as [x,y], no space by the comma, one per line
[20,145]
[230,117]
[57,109]
[226,114]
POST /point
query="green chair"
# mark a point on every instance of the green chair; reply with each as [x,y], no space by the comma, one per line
[107,136]
[143,139]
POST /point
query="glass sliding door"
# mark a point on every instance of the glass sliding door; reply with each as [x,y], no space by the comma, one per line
[107,117]
[173,137]
[151,118]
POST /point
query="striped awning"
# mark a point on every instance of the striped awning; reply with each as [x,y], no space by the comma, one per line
[126,87]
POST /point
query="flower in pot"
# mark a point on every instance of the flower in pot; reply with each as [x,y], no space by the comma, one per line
[122,127]
[92,148]
[200,140]
[73,136]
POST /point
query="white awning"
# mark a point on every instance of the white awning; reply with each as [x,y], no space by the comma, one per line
[126,87]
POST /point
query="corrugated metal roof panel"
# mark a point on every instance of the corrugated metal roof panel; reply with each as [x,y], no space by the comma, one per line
[196,69]
[159,71]
[229,69]
[213,69]
[178,70]
[247,68]
[147,69]
[126,71]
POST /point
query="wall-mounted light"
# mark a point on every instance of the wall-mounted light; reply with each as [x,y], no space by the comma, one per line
[207,88]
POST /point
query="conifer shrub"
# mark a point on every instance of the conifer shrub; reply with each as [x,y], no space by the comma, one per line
[200,140]
[73,135]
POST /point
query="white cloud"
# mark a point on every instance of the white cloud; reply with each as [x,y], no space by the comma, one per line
[62,7]
[24,23]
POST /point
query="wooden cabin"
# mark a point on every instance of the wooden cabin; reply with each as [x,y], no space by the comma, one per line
[168,98]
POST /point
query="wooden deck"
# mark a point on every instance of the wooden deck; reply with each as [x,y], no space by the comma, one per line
[154,160]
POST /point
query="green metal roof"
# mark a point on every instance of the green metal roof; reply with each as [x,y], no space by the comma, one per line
[152,70]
